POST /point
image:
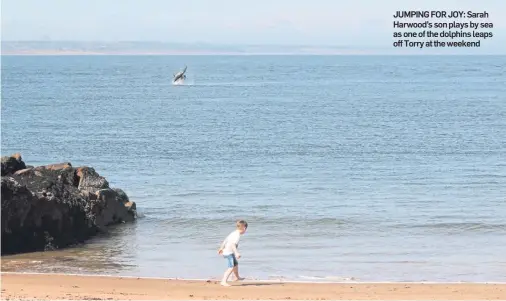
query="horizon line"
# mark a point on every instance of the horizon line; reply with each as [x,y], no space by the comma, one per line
[186,43]
[210,52]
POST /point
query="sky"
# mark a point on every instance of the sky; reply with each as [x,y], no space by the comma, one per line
[360,23]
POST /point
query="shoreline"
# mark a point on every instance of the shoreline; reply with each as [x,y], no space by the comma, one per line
[251,280]
[65,287]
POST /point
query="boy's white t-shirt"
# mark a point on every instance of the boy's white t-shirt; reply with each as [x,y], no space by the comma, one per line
[232,239]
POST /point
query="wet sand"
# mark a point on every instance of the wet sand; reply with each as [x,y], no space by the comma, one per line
[70,287]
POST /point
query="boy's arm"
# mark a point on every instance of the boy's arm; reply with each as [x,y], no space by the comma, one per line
[236,253]
[222,246]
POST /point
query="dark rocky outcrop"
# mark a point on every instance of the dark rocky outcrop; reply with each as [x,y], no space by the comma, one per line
[10,164]
[55,206]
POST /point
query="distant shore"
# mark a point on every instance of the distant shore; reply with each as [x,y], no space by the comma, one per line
[59,287]
[165,53]
[61,48]
[215,53]
[162,48]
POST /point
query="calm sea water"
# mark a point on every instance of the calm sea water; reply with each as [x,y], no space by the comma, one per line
[346,167]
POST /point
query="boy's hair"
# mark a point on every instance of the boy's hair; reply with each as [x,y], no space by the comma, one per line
[241,223]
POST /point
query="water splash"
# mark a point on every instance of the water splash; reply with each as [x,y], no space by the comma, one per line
[183,82]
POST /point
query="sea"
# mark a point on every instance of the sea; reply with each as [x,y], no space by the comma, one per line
[346,168]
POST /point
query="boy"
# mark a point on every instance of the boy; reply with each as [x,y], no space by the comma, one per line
[229,251]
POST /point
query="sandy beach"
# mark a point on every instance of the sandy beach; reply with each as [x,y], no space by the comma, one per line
[70,287]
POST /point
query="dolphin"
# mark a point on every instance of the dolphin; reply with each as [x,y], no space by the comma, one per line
[180,75]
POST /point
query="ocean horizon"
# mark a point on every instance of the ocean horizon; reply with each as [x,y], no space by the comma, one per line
[347,168]
[57,48]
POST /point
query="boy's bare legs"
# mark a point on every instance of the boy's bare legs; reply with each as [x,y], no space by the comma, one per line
[227,274]
[236,273]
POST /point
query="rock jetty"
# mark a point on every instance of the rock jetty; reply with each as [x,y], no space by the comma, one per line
[56,206]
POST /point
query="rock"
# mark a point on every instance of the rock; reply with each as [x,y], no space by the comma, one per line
[88,195]
[109,209]
[12,164]
[122,195]
[54,206]
[22,171]
[56,166]
[131,207]
[16,202]
[41,221]
[90,180]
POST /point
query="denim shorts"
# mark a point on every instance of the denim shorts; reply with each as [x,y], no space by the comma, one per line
[231,260]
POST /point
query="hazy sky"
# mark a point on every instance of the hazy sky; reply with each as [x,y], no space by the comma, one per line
[333,22]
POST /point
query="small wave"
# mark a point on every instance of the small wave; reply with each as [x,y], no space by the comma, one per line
[186,194]
[295,221]
[328,278]
[213,193]
[276,277]
[235,84]
[462,227]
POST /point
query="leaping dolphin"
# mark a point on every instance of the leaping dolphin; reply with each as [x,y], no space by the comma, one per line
[180,75]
